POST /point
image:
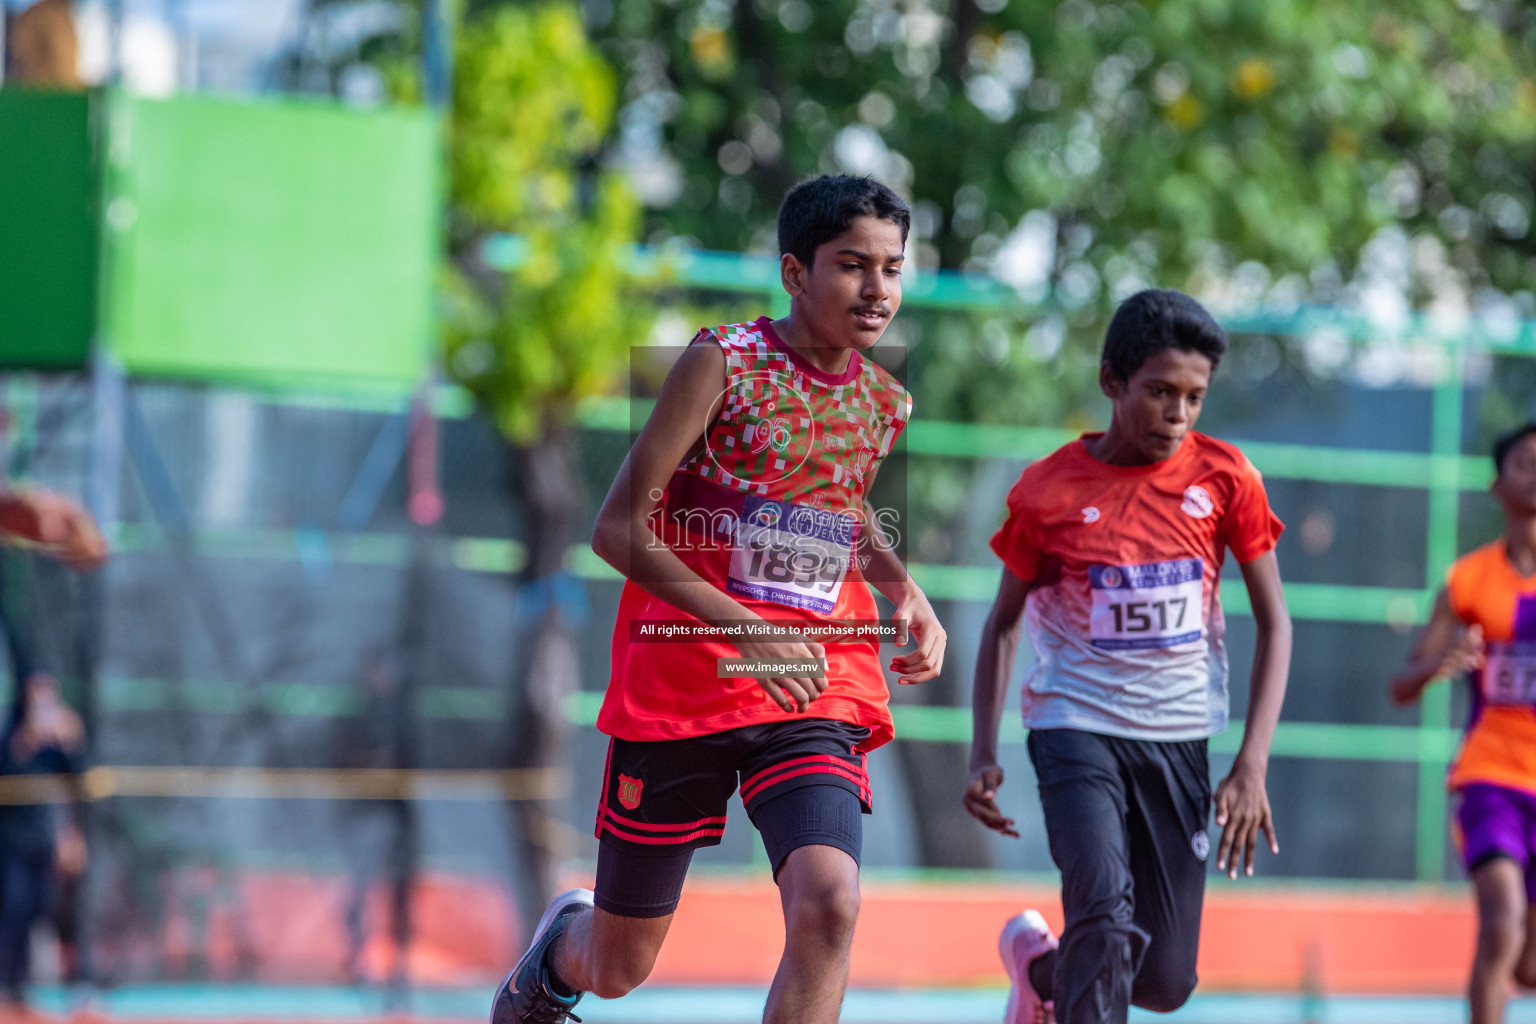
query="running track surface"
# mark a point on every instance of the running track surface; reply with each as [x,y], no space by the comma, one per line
[192,1004]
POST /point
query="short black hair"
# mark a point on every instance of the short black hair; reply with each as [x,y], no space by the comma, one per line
[1506,444]
[819,209]
[1157,319]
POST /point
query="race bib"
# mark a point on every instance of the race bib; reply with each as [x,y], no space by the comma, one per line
[1146,606]
[1509,675]
[789,554]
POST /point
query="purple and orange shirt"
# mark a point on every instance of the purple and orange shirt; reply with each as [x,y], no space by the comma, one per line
[1500,742]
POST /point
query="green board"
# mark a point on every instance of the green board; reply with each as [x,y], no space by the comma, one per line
[48,239]
[270,243]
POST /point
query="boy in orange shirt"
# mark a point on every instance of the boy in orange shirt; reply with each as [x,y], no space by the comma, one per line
[1484,626]
[1112,552]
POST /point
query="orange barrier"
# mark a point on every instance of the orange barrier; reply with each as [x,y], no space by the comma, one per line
[945,934]
[728,930]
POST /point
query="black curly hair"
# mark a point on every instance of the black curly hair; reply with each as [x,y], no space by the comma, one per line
[819,209]
[1157,319]
[1506,443]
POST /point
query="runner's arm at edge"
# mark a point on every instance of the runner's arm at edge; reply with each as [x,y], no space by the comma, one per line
[1444,649]
[887,575]
[1242,803]
[998,648]
[59,523]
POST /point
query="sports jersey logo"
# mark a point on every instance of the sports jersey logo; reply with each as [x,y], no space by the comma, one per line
[1090,514]
[1197,502]
[629,792]
[770,434]
[768,417]
[766,514]
[1201,844]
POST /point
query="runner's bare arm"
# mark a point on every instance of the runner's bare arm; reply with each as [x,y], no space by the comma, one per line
[994,665]
[886,574]
[64,528]
[689,402]
[1444,649]
[1242,803]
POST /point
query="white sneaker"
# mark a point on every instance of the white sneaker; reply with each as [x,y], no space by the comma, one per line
[1024,938]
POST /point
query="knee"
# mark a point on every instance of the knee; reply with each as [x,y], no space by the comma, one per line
[614,962]
[619,976]
[1164,994]
[1166,976]
[1107,936]
[828,912]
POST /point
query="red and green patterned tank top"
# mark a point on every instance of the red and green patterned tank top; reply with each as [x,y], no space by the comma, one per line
[767,511]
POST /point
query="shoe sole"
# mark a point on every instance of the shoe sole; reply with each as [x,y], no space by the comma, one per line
[569,898]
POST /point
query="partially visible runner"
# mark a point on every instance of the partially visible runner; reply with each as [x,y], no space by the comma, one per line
[38,855]
[1483,626]
[744,501]
[55,524]
[1112,551]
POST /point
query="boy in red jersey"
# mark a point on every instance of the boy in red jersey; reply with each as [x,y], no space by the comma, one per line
[1112,548]
[743,504]
[1484,624]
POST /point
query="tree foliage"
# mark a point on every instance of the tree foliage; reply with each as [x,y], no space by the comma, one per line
[1167,141]
[533,105]
[1298,150]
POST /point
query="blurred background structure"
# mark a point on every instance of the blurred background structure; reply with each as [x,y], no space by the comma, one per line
[326,306]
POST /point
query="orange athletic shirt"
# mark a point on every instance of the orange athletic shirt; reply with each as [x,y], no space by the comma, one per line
[1125,615]
[763,511]
[1500,743]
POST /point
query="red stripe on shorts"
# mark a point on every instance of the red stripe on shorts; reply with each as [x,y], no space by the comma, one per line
[715,832]
[813,766]
[602,803]
[631,823]
[822,758]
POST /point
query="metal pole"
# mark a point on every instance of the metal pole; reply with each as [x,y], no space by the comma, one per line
[437,54]
[115,17]
[1435,709]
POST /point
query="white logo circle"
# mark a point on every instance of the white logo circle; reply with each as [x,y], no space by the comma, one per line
[1090,514]
[1201,843]
[767,409]
[1197,502]
[1110,577]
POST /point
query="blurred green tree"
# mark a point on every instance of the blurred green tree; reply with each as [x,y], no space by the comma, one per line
[1167,142]
[533,104]
[532,114]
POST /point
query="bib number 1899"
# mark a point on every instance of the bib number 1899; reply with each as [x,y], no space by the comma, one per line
[790,554]
[784,563]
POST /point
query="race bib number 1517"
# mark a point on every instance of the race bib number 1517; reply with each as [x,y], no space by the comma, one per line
[1137,607]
